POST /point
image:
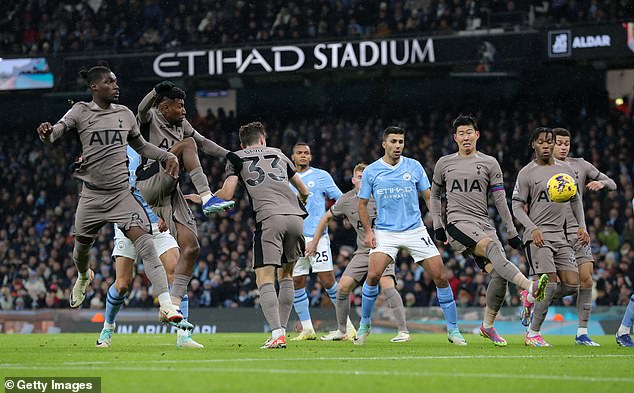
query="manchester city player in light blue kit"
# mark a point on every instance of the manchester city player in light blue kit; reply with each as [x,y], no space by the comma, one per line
[395,181]
[125,255]
[321,186]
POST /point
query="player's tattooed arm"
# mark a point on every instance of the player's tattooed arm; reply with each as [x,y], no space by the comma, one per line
[228,188]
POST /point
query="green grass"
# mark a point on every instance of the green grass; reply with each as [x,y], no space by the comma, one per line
[234,363]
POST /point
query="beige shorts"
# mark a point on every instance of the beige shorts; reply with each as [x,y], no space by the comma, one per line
[583,254]
[463,236]
[163,194]
[278,239]
[97,208]
[358,268]
[556,255]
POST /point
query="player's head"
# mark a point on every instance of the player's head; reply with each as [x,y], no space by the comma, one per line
[301,155]
[465,133]
[172,105]
[252,134]
[357,175]
[394,142]
[102,83]
[562,143]
[543,142]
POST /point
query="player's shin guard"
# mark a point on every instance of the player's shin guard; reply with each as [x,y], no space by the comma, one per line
[81,256]
[448,305]
[540,309]
[342,307]
[270,305]
[395,302]
[285,301]
[584,306]
[152,264]
[496,291]
[114,301]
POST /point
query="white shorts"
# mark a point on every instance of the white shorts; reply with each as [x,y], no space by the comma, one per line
[417,242]
[123,247]
[320,262]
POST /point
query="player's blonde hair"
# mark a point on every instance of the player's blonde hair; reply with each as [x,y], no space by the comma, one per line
[360,167]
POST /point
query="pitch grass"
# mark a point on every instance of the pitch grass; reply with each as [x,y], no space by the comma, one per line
[234,363]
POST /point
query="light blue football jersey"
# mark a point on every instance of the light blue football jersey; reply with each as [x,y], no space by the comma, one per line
[321,185]
[395,190]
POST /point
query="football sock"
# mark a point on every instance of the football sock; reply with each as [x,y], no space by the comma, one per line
[343,310]
[154,270]
[540,309]
[504,267]
[114,301]
[81,257]
[332,292]
[628,318]
[496,291]
[185,307]
[395,302]
[300,303]
[584,307]
[448,305]
[199,179]
[285,299]
[369,295]
[179,286]
[564,289]
[270,305]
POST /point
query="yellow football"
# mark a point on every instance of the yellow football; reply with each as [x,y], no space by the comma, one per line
[561,188]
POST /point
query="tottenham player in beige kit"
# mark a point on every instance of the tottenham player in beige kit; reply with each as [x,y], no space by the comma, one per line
[105,129]
[467,178]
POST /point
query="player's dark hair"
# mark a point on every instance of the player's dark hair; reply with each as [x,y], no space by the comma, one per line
[300,143]
[559,131]
[464,120]
[250,133]
[95,73]
[175,94]
[540,130]
[393,130]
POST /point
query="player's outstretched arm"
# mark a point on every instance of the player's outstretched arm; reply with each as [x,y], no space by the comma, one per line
[303,191]
[228,188]
[311,246]
[49,133]
[601,182]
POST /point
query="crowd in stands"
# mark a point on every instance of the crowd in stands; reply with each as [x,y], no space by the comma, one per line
[42,27]
[39,198]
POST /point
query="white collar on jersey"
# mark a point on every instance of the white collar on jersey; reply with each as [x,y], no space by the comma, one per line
[306,172]
[400,160]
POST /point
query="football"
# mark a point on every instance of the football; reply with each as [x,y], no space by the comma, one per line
[561,188]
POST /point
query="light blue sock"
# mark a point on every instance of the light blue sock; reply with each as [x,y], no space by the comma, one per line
[628,318]
[300,303]
[448,305]
[185,307]
[332,292]
[114,301]
[370,293]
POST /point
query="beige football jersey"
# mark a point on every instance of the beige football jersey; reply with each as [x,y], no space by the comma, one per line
[348,205]
[265,174]
[104,135]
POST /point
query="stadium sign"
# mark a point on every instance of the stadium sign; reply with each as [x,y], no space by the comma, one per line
[288,58]
[589,42]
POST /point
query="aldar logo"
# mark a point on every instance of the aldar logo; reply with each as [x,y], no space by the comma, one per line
[559,43]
